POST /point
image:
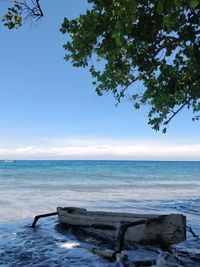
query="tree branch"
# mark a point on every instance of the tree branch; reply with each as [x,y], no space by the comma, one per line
[118,96]
[39,8]
[178,110]
[35,11]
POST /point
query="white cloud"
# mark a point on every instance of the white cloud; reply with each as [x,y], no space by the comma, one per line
[105,149]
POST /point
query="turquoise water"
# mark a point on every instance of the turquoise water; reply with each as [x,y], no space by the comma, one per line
[28,188]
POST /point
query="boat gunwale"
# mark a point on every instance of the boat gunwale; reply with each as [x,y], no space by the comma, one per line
[85,212]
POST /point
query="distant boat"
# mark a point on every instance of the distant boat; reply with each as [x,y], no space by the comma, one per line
[9,161]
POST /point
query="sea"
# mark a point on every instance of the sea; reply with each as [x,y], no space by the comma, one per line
[28,188]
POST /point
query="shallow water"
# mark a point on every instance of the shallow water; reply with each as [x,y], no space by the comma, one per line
[28,188]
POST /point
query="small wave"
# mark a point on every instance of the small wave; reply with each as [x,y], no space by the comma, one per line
[189,206]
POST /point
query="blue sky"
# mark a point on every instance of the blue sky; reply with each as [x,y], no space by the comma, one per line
[49,109]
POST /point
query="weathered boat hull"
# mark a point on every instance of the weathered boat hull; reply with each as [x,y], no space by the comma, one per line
[151,228]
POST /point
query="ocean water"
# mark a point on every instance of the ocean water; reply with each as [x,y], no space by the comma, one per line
[28,188]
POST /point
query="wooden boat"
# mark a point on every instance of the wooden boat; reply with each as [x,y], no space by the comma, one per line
[132,228]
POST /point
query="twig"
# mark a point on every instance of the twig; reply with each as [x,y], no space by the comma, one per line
[190,230]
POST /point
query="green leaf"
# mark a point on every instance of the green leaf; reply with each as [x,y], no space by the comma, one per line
[99,59]
[113,35]
[178,3]
[119,40]
[194,3]
[160,6]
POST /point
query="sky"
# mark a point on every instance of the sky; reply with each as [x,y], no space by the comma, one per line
[49,109]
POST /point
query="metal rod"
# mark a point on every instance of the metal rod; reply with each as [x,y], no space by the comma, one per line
[42,216]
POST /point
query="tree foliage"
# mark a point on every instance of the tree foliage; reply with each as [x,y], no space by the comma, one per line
[149,52]
[21,11]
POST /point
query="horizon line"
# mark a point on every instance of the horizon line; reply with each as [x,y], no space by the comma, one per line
[136,160]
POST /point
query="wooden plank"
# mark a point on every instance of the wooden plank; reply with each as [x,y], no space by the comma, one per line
[110,254]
